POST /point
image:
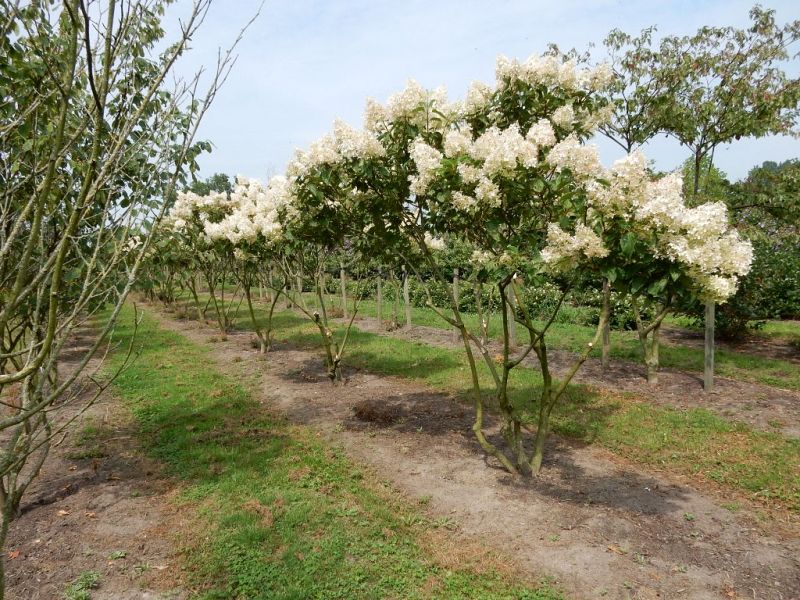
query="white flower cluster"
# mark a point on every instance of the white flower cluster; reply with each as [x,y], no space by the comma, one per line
[189,207]
[344,142]
[463,202]
[427,160]
[497,151]
[552,71]
[501,150]
[355,143]
[542,134]
[628,182]
[457,141]
[699,238]
[252,212]
[563,248]
[563,116]
[478,96]
[434,243]
[488,192]
[414,104]
[582,160]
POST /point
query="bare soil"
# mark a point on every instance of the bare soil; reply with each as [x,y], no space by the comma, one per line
[98,505]
[601,527]
[763,407]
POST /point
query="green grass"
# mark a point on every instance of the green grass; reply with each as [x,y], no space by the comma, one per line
[88,442]
[788,330]
[80,588]
[278,514]
[693,442]
[625,346]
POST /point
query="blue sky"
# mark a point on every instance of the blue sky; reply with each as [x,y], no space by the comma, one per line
[304,63]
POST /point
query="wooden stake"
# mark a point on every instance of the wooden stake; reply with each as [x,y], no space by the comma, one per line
[708,371]
[456,332]
[379,301]
[406,297]
[605,358]
[343,283]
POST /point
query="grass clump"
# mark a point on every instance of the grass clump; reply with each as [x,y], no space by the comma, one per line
[80,588]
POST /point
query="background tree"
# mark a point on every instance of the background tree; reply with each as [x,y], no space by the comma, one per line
[766,207]
[716,86]
[218,182]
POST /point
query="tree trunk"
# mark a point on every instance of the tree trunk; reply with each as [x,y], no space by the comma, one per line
[483,323]
[512,322]
[298,281]
[262,341]
[543,423]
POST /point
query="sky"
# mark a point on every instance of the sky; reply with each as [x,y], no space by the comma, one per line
[304,63]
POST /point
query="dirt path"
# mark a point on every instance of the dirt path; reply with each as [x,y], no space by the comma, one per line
[98,505]
[602,528]
[764,407]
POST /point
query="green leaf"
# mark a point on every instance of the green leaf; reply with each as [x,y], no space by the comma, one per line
[628,244]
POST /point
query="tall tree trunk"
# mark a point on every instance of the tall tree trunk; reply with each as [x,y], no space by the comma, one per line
[406,297]
[456,298]
[379,302]
[708,366]
[605,356]
[343,284]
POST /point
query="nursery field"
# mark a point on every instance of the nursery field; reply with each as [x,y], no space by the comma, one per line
[265,480]
[454,350]
[670,426]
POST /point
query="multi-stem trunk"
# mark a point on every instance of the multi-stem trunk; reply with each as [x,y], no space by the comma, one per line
[649,334]
[547,402]
[7,515]
[551,391]
[191,283]
[483,317]
[468,339]
[263,340]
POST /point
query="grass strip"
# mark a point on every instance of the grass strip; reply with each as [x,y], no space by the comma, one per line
[625,346]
